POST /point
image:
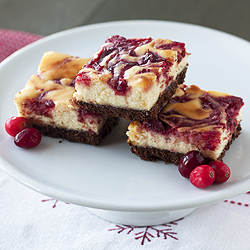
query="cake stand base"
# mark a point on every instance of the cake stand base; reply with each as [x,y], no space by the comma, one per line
[140,218]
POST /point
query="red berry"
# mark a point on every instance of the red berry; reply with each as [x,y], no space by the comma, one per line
[16,124]
[189,161]
[222,171]
[28,138]
[202,176]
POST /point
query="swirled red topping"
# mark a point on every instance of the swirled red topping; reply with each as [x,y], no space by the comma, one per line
[119,54]
[194,114]
[40,105]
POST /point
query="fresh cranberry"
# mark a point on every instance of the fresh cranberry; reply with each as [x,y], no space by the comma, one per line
[28,138]
[16,124]
[189,161]
[202,176]
[222,171]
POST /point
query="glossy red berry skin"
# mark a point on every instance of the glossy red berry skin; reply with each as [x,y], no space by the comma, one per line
[16,124]
[28,138]
[222,171]
[189,161]
[202,176]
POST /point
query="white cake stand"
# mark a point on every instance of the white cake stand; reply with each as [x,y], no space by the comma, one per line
[109,180]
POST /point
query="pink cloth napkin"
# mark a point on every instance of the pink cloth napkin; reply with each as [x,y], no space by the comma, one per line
[30,220]
[11,40]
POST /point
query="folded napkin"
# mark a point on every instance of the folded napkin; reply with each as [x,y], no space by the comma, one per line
[30,220]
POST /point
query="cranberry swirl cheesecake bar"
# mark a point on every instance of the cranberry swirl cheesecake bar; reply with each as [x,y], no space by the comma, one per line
[131,78]
[47,101]
[193,119]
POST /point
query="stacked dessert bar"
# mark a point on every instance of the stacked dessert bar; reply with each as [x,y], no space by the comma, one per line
[47,101]
[193,119]
[131,78]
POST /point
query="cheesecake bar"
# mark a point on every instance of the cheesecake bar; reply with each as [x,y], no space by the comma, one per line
[47,101]
[131,78]
[193,119]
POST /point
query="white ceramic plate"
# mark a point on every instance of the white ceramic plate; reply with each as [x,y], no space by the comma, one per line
[108,176]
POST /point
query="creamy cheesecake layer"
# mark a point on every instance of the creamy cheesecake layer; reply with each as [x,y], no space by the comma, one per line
[192,120]
[130,73]
[48,103]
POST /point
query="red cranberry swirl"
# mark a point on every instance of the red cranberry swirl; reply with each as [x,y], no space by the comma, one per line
[119,54]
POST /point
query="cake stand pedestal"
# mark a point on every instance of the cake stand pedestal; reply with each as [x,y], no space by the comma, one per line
[140,218]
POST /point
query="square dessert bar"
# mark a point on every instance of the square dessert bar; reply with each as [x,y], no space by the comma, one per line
[131,78]
[193,119]
[47,101]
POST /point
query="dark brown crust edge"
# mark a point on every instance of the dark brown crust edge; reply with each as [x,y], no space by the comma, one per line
[78,136]
[133,114]
[152,154]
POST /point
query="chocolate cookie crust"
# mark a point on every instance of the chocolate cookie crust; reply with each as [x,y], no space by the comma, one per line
[152,154]
[78,136]
[133,114]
